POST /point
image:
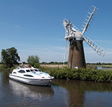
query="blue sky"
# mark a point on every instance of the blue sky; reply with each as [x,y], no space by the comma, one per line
[35,27]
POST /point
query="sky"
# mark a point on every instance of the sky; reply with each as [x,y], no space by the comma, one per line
[35,27]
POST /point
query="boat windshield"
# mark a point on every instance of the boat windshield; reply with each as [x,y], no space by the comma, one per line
[37,70]
[32,70]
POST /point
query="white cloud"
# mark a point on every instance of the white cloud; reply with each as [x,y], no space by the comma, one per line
[46,54]
[55,53]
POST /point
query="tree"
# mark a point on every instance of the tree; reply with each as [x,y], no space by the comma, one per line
[33,61]
[10,56]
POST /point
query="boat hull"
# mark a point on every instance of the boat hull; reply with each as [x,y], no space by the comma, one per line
[44,82]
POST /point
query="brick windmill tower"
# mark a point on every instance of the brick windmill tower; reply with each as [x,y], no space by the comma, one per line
[76,58]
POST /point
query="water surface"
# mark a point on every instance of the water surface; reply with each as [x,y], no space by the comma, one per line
[62,93]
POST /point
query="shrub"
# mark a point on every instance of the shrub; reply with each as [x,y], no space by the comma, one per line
[33,60]
[80,74]
[36,65]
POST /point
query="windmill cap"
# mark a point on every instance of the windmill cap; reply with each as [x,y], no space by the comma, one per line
[76,35]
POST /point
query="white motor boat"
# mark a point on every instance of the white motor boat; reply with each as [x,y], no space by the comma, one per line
[31,76]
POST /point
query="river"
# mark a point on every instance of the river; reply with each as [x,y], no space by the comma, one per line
[62,93]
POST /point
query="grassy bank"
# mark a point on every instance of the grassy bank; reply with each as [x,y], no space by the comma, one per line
[62,72]
[80,74]
[4,68]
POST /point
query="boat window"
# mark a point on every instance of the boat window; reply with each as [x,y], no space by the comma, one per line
[31,70]
[14,72]
[27,70]
[37,70]
[28,75]
[21,71]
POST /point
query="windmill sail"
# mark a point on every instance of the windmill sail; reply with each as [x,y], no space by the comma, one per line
[88,20]
[96,48]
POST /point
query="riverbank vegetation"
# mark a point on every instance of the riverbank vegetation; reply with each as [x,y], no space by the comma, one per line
[88,74]
[80,74]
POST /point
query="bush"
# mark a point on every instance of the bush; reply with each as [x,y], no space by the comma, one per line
[80,74]
[36,65]
[33,61]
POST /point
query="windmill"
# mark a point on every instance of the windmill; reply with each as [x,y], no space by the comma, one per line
[76,56]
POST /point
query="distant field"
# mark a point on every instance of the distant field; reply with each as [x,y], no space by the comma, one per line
[63,65]
[89,66]
[107,66]
[54,65]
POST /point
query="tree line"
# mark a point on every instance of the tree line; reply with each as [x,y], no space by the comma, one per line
[54,62]
[10,57]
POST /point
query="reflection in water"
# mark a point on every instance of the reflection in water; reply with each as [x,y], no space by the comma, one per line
[4,77]
[98,99]
[24,90]
[0,79]
[62,93]
[76,96]
[83,93]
